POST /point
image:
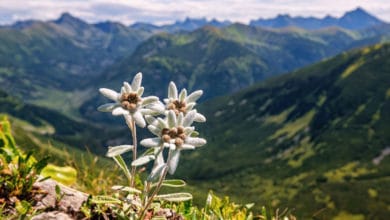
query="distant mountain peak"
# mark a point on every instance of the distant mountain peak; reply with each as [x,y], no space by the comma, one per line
[355,19]
[66,17]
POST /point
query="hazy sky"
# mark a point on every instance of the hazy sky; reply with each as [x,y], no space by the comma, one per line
[168,11]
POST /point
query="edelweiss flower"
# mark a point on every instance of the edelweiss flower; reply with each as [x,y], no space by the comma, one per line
[129,101]
[174,132]
[181,103]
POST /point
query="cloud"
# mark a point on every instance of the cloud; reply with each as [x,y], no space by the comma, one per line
[168,11]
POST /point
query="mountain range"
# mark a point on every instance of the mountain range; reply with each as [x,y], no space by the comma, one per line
[46,58]
[352,20]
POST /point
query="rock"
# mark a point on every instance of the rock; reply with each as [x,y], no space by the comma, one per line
[69,202]
[55,215]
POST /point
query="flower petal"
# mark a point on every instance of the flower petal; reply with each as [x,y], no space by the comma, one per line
[189,118]
[190,106]
[162,123]
[151,142]
[127,87]
[180,119]
[140,91]
[194,96]
[187,147]
[149,100]
[172,91]
[107,107]
[111,94]
[188,130]
[155,130]
[136,82]
[151,120]
[146,111]
[174,161]
[171,119]
[160,157]
[156,172]
[139,119]
[183,95]
[199,118]
[120,111]
[142,160]
[197,142]
[158,107]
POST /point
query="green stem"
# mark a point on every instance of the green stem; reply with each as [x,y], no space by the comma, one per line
[134,168]
[131,124]
[157,189]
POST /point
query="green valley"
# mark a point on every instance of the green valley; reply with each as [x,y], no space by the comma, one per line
[314,140]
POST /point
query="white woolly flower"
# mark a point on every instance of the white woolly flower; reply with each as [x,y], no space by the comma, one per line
[129,102]
[181,102]
[174,132]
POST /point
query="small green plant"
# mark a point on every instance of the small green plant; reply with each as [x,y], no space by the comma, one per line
[171,123]
[18,173]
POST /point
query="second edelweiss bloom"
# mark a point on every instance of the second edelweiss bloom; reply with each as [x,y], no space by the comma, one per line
[130,101]
[183,103]
[175,133]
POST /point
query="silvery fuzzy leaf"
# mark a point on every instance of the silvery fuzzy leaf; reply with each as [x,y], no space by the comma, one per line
[139,119]
[127,87]
[155,130]
[175,183]
[197,142]
[126,189]
[180,119]
[172,91]
[187,147]
[105,200]
[175,197]
[118,150]
[167,100]
[162,123]
[142,160]
[156,172]
[188,130]
[120,111]
[111,94]
[157,106]
[160,156]
[122,164]
[189,118]
[149,100]
[199,118]
[136,82]
[194,96]
[107,107]
[123,90]
[171,119]
[146,111]
[190,106]
[174,161]
[182,95]
[151,142]
[150,119]
[140,91]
